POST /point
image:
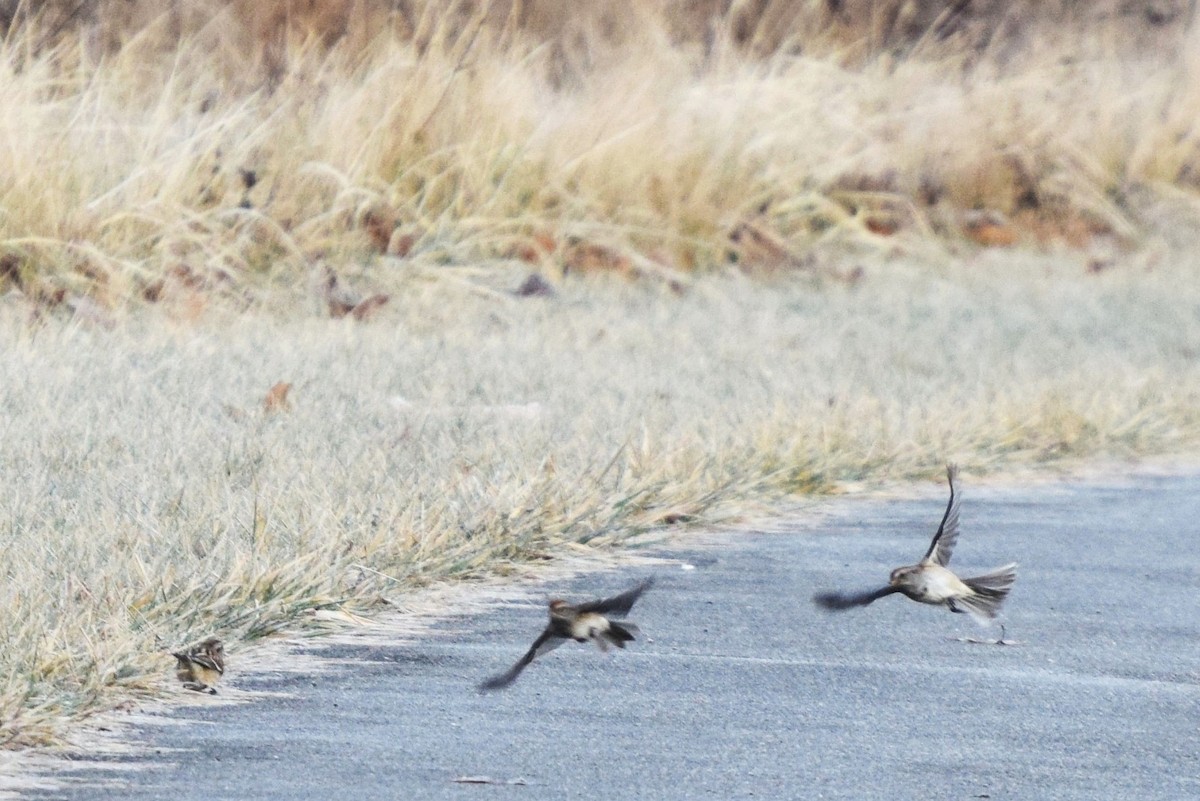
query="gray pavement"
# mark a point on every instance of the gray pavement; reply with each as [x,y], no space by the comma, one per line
[741,688]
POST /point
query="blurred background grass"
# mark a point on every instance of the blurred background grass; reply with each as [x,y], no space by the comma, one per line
[227,146]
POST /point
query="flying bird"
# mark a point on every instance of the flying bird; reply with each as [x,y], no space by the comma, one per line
[201,666]
[931,582]
[588,621]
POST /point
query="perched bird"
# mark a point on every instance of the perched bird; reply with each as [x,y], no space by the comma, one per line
[201,666]
[581,623]
[931,582]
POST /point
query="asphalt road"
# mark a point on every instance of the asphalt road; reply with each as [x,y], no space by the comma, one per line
[741,688]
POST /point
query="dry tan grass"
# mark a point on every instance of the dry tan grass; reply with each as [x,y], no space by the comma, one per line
[216,148]
[404,165]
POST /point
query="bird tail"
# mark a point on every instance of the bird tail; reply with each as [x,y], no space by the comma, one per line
[620,632]
[987,592]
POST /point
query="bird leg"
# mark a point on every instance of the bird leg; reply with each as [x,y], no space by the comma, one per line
[1003,640]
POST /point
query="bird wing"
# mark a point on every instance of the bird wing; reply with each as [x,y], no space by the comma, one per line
[942,546]
[840,601]
[545,643]
[618,604]
[193,658]
[206,661]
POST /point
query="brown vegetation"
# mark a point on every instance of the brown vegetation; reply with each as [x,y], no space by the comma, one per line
[215,148]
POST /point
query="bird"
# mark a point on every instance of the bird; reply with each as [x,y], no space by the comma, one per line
[201,666]
[582,622]
[931,582]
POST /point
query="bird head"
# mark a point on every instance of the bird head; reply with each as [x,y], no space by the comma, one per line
[212,646]
[561,609]
[900,575]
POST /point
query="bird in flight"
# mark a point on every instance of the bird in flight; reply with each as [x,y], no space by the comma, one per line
[931,582]
[583,622]
[201,666]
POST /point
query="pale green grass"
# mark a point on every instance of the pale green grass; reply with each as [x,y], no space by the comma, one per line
[148,500]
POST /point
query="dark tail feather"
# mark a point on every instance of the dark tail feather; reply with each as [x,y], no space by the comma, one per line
[990,591]
[620,632]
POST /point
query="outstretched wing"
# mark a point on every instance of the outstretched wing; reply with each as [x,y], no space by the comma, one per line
[942,546]
[618,604]
[543,644]
[193,658]
[840,601]
[206,661]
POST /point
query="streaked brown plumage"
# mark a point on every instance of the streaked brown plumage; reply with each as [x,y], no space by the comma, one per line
[581,623]
[201,666]
[931,582]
